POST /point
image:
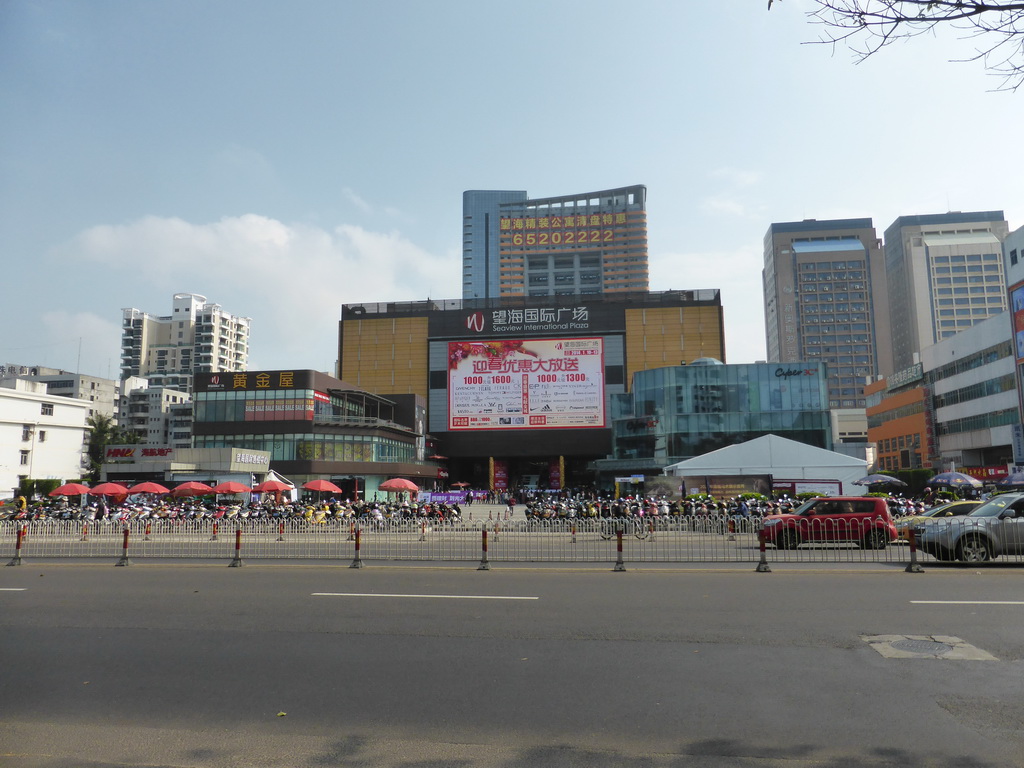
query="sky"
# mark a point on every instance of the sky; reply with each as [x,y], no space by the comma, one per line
[283,159]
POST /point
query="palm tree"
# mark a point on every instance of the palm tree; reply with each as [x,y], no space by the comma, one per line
[103,432]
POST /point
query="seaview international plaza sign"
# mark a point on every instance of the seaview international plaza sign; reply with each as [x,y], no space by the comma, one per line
[546,320]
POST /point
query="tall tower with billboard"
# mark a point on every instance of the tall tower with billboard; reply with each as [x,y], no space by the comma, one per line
[587,243]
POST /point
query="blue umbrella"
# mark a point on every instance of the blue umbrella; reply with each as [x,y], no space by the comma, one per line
[1012,480]
[955,480]
[880,480]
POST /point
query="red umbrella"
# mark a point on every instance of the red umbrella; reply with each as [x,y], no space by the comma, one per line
[271,486]
[192,488]
[399,484]
[148,487]
[70,489]
[230,486]
[321,485]
[109,489]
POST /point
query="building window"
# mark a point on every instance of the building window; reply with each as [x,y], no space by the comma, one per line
[42,435]
[47,409]
[26,432]
[24,458]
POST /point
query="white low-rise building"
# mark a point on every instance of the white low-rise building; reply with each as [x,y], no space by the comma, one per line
[41,435]
[155,413]
[974,395]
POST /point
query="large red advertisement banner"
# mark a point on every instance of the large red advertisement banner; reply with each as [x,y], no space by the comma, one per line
[555,474]
[526,384]
[500,481]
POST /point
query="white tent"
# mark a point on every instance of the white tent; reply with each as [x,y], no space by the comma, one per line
[292,493]
[779,457]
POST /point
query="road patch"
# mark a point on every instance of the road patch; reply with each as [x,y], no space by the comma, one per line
[926,647]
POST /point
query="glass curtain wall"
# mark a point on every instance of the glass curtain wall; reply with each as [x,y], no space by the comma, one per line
[687,411]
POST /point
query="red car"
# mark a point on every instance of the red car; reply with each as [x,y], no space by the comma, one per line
[860,519]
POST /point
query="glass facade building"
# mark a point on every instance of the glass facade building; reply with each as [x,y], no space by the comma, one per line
[684,411]
[313,425]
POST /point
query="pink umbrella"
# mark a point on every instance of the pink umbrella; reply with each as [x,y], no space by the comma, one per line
[230,486]
[70,489]
[109,489]
[148,487]
[191,488]
[321,485]
[399,484]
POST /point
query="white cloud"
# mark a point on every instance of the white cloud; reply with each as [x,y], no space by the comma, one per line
[290,279]
[737,177]
[250,163]
[66,337]
[356,200]
[734,200]
[721,205]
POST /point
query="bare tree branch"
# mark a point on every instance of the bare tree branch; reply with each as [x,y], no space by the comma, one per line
[867,26]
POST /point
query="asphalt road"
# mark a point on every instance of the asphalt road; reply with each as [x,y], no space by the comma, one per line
[187,664]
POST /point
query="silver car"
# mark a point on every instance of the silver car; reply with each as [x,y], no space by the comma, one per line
[995,528]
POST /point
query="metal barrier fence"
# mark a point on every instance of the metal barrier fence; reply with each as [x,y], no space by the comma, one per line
[680,540]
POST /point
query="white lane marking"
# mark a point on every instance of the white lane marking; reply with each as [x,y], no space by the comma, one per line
[437,597]
[967,602]
[13,589]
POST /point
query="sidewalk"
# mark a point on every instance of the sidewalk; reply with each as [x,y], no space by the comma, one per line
[482,511]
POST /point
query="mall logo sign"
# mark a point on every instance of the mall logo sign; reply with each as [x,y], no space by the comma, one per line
[785,373]
[475,322]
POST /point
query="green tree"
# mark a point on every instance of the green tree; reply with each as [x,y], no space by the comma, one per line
[103,432]
[867,26]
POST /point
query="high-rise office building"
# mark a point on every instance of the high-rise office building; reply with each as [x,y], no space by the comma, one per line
[197,337]
[592,242]
[825,300]
[945,273]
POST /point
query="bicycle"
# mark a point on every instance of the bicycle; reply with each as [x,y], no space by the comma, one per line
[637,526]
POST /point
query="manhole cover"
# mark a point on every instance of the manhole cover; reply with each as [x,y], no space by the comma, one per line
[921,646]
[944,647]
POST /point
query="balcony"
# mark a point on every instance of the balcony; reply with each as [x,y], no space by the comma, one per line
[364,422]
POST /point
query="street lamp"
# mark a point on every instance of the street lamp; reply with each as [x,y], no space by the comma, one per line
[32,453]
